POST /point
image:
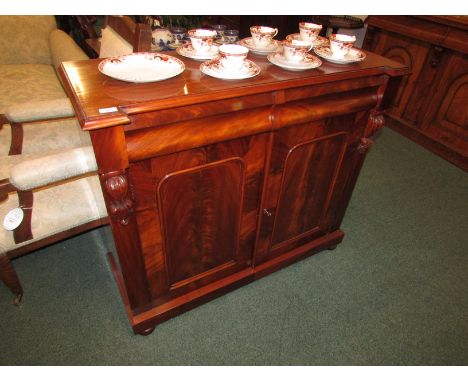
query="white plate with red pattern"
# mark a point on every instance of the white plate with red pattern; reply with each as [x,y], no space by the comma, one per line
[187,50]
[214,68]
[309,62]
[354,55]
[321,41]
[274,46]
[142,67]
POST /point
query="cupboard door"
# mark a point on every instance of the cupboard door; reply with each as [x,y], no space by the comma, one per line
[305,164]
[197,213]
[446,119]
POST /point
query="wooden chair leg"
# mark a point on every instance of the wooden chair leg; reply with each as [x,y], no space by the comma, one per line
[23,232]
[16,146]
[10,278]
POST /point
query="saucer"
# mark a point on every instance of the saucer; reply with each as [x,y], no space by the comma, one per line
[214,68]
[248,43]
[310,62]
[188,51]
[354,55]
[321,41]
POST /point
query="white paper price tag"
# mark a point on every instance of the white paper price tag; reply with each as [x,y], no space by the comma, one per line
[13,219]
[108,110]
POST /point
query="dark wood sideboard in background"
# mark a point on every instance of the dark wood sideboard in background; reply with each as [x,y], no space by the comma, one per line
[431,107]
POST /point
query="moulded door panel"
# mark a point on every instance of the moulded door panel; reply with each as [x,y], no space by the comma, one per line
[199,218]
[309,171]
[305,163]
[447,117]
[410,53]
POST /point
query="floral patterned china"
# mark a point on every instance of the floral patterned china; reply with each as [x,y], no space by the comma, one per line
[295,50]
[353,55]
[262,36]
[309,31]
[340,44]
[309,62]
[214,68]
[142,67]
[232,56]
[188,51]
[320,41]
[202,39]
[273,47]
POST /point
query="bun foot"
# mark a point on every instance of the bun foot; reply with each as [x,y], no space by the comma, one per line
[333,247]
[147,331]
[18,298]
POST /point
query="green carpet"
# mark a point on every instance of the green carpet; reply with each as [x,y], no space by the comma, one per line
[395,292]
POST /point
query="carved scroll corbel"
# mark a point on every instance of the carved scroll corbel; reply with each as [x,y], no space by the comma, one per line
[376,119]
[117,190]
[375,122]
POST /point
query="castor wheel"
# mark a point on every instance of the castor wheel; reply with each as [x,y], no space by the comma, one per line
[147,331]
[333,247]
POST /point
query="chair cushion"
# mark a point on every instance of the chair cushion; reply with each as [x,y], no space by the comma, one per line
[57,209]
[38,172]
[25,39]
[52,135]
[28,82]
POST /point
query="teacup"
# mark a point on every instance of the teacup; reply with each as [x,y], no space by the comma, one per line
[309,31]
[202,39]
[340,44]
[231,36]
[232,56]
[263,36]
[295,50]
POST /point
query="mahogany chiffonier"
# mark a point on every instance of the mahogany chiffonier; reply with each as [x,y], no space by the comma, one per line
[431,106]
[211,184]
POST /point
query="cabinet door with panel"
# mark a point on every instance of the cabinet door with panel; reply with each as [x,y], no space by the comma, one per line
[197,213]
[305,177]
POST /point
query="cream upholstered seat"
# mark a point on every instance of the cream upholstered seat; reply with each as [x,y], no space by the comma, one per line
[32,48]
[56,209]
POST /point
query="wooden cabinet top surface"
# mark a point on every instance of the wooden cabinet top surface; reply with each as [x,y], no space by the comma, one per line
[90,90]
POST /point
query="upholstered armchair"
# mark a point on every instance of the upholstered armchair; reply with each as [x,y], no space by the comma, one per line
[55,184]
[59,196]
[31,94]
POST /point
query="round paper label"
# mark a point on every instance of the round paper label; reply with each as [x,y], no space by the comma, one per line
[13,219]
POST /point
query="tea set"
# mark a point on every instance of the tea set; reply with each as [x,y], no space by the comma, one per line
[225,57]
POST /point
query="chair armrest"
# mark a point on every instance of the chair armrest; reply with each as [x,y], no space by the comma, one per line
[39,110]
[63,48]
[53,168]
